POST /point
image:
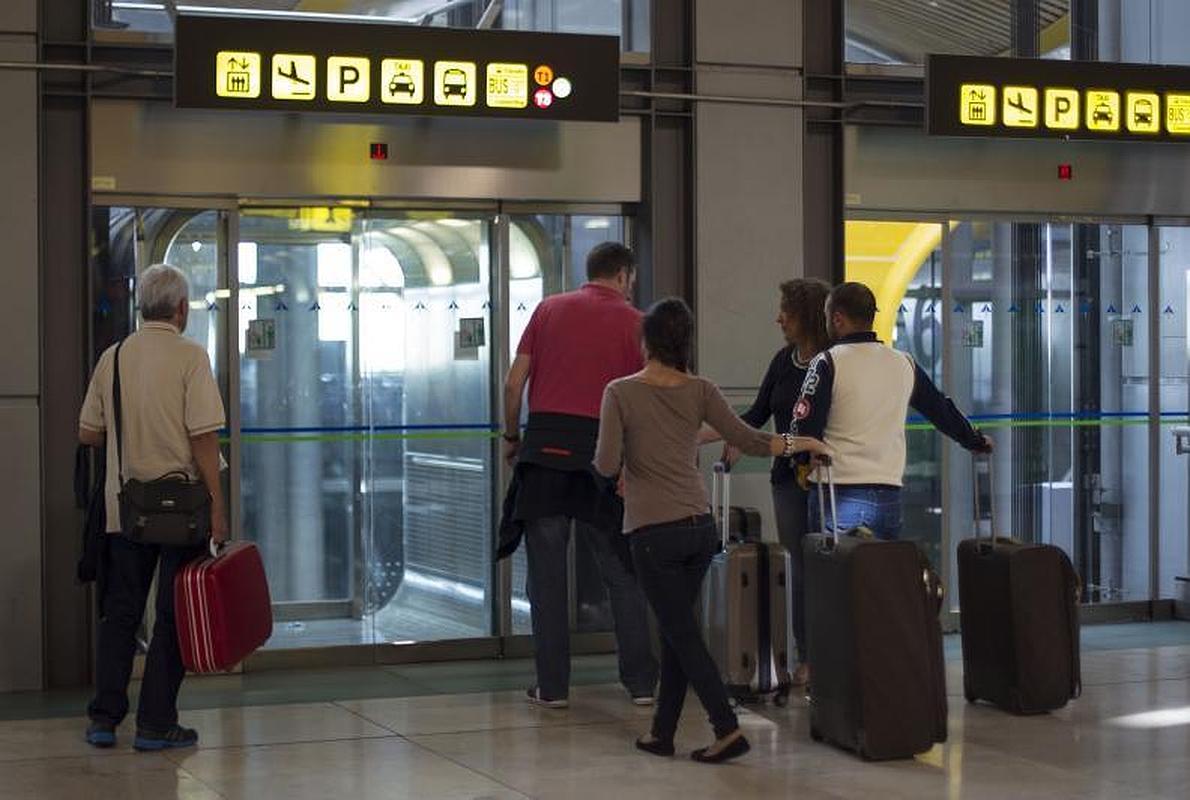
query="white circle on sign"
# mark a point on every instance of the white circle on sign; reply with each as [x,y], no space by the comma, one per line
[562,88]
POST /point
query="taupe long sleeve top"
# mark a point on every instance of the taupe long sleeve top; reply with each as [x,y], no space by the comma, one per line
[652,432]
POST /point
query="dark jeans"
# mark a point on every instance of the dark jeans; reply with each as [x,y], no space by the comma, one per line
[671,563]
[127,577]
[546,542]
[789,505]
[876,508]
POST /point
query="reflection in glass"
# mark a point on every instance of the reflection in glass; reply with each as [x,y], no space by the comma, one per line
[905,31]
[628,19]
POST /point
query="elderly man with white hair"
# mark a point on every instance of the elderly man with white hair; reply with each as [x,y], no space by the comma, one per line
[168,420]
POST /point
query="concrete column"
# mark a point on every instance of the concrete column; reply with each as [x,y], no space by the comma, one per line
[21,662]
[748,197]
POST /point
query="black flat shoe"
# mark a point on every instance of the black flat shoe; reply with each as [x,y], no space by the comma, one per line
[733,750]
[657,747]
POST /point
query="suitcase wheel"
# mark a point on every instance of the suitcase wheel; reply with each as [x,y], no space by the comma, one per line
[861,747]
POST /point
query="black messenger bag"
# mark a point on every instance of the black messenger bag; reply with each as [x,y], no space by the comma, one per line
[173,510]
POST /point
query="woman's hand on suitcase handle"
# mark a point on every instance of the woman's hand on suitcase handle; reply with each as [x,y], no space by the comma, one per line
[731,455]
[786,445]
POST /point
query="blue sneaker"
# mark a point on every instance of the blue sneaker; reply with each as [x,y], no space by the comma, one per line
[101,734]
[174,738]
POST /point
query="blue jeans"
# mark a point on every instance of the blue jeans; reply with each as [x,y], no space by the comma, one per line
[876,508]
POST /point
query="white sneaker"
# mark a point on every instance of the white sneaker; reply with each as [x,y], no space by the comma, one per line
[643,700]
[536,699]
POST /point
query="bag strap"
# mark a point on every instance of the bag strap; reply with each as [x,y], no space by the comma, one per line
[117,407]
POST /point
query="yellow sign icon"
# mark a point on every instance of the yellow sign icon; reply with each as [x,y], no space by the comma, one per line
[348,79]
[1143,114]
[402,81]
[294,76]
[1103,110]
[1061,109]
[544,75]
[454,83]
[237,74]
[1021,109]
[508,85]
[977,104]
[1177,113]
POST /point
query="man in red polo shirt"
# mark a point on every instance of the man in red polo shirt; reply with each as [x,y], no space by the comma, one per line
[576,343]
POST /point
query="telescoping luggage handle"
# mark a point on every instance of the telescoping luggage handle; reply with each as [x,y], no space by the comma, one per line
[991,459]
[824,466]
[721,495]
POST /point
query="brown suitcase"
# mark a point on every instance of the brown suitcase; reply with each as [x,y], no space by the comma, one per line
[877,677]
[1018,604]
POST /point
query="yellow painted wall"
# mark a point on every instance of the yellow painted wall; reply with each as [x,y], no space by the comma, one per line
[884,256]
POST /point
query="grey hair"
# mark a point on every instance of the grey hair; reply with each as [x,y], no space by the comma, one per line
[159,292]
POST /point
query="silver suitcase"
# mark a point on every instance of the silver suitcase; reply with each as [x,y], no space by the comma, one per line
[746,602]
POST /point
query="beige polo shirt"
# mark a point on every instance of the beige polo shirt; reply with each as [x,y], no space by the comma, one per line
[168,394]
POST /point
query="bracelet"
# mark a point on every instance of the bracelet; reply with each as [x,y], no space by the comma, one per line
[790,445]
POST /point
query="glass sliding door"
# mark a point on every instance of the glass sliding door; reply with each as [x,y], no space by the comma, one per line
[300,418]
[1049,356]
[1173,539]
[547,256]
[1040,333]
[427,460]
[365,343]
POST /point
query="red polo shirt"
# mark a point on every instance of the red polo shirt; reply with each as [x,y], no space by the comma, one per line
[578,343]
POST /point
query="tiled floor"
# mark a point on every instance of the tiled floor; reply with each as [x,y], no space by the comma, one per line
[429,732]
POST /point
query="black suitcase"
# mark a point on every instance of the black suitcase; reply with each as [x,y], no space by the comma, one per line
[1018,607]
[877,676]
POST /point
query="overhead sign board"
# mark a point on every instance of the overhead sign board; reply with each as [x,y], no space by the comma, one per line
[1035,98]
[296,65]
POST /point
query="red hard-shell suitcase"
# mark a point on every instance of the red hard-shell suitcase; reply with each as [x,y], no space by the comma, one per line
[223,608]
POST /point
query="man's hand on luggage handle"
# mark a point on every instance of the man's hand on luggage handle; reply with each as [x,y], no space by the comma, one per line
[511,450]
[820,451]
[219,528]
[989,446]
